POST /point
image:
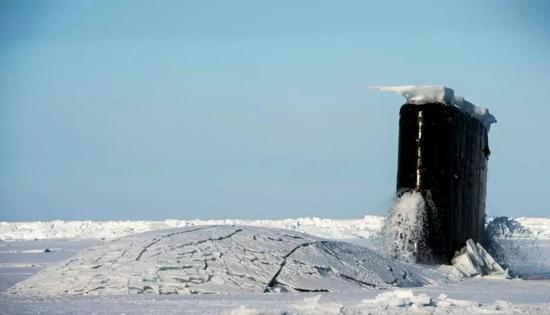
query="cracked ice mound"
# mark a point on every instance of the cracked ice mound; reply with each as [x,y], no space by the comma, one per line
[219,259]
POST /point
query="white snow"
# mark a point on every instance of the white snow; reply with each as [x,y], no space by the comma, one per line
[425,94]
[447,296]
[338,229]
[400,300]
[220,259]
[540,227]
[366,227]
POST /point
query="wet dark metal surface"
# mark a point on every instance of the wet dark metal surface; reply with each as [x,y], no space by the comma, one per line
[443,153]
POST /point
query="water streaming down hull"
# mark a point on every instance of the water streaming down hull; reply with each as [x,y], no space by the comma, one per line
[404,229]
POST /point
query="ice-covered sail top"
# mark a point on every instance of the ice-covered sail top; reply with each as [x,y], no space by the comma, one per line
[424,94]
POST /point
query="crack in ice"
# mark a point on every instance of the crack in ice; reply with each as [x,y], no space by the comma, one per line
[164,237]
[273,280]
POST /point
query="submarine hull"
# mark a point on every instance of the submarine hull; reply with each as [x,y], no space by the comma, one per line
[443,154]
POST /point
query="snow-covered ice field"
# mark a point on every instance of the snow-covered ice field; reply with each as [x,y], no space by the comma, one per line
[28,247]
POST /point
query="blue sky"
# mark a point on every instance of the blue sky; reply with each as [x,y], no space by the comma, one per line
[254,109]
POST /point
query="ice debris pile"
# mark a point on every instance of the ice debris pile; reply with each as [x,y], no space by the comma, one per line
[398,301]
[339,229]
[425,94]
[366,227]
[220,259]
[474,260]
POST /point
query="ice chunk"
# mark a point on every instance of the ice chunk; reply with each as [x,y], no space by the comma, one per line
[474,260]
[465,265]
[425,94]
[400,298]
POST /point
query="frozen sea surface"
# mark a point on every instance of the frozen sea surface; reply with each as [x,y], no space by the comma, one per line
[341,229]
[20,259]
